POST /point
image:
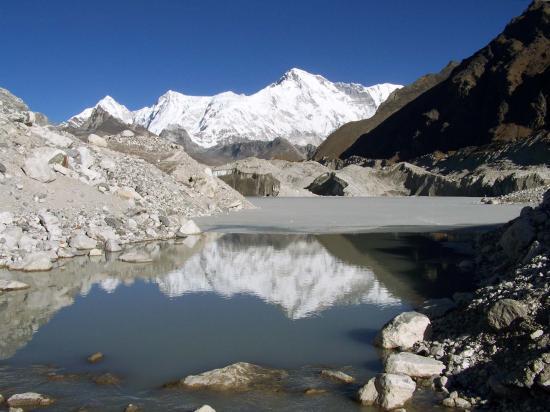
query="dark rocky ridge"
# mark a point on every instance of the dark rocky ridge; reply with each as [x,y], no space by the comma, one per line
[343,137]
[499,94]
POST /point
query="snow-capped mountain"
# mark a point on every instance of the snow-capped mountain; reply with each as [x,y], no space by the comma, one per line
[300,107]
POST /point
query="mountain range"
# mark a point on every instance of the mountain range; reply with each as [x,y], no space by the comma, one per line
[300,107]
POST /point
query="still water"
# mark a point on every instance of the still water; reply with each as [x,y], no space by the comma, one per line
[298,302]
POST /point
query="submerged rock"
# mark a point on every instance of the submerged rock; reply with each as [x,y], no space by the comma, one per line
[131,408]
[107,379]
[95,357]
[12,285]
[337,375]
[403,331]
[413,365]
[238,376]
[29,399]
[135,257]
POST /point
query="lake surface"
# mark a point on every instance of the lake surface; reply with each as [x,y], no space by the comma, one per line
[298,302]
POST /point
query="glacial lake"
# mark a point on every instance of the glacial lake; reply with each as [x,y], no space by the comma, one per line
[297,302]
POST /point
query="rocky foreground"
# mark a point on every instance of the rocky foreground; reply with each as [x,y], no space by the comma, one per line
[64,195]
[485,350]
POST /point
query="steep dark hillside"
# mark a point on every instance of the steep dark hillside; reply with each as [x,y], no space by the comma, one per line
[343,137]
[498,94]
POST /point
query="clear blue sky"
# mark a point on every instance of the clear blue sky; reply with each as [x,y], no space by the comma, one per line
[63,55]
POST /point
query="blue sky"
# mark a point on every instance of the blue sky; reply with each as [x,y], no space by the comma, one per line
[61,56]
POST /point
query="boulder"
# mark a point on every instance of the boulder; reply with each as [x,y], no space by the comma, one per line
[517,237]
[337,375]
[95,252]
[504,312]
[95,357]
[82,242]
[238,376]
[37,165]
[413,365]
[128,193]
[189,228]
[111,245]
[368,394]
[393,390]
[33,262]
[127,133]
[29,399]
[12,285]
[135,257]
[107,164]
[51,223]
[97,140]
[11,236]
[403,331]
[328,184]
[85,157]
[27,243]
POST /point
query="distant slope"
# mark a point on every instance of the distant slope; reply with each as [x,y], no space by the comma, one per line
[342,138]
[498,94]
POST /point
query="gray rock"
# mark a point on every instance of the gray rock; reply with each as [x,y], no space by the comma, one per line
[33,262]
[6,218]
[504,312]
[368,394]
[189,228]
[37,166]
[111,245]
[403,331]
[97,140]
[29,399]
[237,376]
[127,133]
[11,236]
[82,242]
[393,390]
[413,365]
[3,168]
[517,237]
[51,223]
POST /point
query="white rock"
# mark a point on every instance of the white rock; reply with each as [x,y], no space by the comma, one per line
[6,218]
[403,331]
[127,133]
[27,243]
[107,164]
[29,399]
[61,169]
[128,193]
[97,140]
[38,165]
[393,390]
[413,365]
[189,228]
[12,285]
[205,408]
[368,394]
[85,157]
[53,137]
[102,233]
[51,223]
[82,242]
[135,257]
[33,262]
[95,252]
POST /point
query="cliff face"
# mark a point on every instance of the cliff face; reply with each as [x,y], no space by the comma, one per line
[498,94]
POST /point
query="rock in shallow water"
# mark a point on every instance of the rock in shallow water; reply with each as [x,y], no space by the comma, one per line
[238,376]
[82,242]
[189,228]
[413,365]
[205,408]
[12,285]
[387,390]
[135,257]
[403,331]
[29,399]
[337,375]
